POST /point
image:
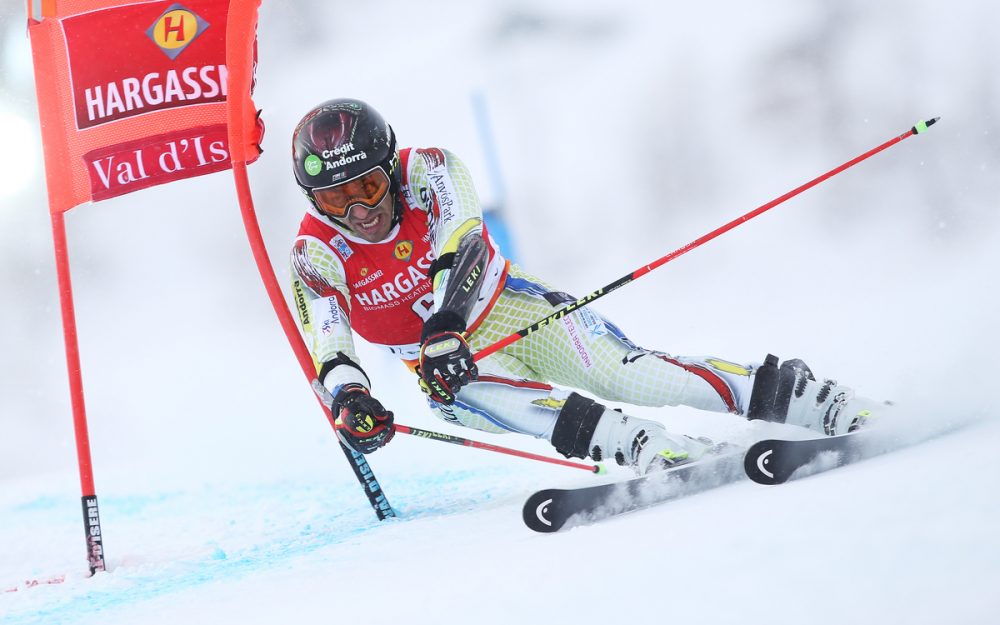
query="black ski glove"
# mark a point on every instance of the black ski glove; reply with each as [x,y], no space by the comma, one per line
[363,423]
[446,363]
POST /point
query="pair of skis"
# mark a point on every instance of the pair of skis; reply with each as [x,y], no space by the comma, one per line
[766,462]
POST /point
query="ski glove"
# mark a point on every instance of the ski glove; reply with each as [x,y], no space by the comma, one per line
[446,365]
[364,425]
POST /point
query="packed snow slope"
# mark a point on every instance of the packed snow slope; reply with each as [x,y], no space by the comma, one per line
[904,538]
[624,131]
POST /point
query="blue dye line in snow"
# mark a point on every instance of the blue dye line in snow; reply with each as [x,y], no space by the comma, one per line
[441,494]
[39,503]
[130,504]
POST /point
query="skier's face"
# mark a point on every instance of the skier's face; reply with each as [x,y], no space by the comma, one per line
[371,224]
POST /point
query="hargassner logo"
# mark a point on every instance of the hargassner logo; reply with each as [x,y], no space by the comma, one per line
[165,55]
[175,29]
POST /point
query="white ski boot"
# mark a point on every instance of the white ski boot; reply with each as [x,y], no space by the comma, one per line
[644,445]
[585,428]
[830,408]
[791,394]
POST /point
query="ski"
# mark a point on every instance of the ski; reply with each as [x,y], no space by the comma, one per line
[774,461]
[554,509]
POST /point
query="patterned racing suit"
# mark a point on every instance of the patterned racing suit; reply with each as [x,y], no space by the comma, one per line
[344,285]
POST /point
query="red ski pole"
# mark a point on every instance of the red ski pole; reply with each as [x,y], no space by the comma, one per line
[458,440]
[617,284]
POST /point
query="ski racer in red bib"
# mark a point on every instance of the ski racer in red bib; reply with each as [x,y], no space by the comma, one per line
[393,248]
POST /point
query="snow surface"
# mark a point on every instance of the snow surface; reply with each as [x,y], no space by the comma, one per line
[224,497]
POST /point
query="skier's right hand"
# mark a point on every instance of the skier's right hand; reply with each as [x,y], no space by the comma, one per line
[363,424]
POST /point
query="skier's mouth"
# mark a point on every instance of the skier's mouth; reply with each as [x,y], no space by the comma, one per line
[371,224]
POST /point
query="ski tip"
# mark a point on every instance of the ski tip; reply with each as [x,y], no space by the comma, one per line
[757,463]
[600,469]
[541,513]
[922,127]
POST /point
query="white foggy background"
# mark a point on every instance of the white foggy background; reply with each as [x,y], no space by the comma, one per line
[624,131]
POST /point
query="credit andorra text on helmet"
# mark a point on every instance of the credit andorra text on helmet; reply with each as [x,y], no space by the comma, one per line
[344,149]
[345,160]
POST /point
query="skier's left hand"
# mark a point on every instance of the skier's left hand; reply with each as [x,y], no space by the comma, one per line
[446,365]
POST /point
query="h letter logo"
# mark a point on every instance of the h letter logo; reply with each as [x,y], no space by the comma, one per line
[175,29]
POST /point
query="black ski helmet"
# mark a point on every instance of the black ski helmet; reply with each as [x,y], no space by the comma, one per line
[339,140]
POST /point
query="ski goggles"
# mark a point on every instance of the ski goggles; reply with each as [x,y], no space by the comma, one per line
[368,189]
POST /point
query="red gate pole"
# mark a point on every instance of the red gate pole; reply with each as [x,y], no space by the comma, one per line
[243,139]
[91,517]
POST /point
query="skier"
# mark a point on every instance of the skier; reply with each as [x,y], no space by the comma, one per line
[393,248]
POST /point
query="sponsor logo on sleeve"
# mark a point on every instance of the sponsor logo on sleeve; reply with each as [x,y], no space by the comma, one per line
[444,193]
[327,314]
[301,305]
[441,187]
[339,243]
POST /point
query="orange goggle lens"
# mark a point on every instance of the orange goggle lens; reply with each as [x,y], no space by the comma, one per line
[368,189]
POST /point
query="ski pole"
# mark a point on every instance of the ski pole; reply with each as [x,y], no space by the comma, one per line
[919,128]
[458,440]
[327,398]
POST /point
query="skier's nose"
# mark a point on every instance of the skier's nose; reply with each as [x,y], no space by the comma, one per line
[360,212]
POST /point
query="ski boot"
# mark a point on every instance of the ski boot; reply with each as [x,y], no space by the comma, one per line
[586,428]
[791,394]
